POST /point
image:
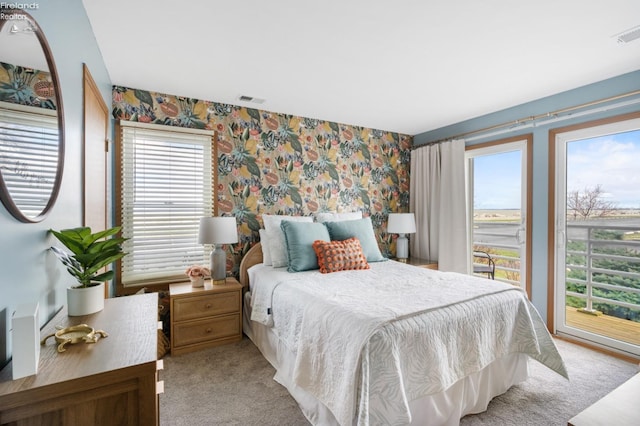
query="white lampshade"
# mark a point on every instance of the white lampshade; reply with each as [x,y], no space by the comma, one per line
[401,223]
[218,230]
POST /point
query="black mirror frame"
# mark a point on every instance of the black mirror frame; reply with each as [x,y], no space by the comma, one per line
[5,195]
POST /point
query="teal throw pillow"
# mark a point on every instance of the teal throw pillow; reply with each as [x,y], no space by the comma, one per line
[362,229]
[299,238]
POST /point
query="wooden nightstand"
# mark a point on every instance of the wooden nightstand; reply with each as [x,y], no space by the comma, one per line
[205,316]
[423,263]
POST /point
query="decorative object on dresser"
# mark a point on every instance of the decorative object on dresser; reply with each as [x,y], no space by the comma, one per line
[91,253]
[401,224]
[205,316]
[218,231]
[75,334]
[114,382]
[25,338]
[197,274]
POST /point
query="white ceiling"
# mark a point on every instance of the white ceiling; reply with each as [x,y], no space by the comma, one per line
[402,66]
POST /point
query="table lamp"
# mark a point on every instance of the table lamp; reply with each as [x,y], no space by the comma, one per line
[218,231]
[401,224]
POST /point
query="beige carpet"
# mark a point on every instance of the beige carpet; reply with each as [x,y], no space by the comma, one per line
[233,385]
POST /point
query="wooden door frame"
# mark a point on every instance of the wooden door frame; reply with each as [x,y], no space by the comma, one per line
[551,213]
[92,95]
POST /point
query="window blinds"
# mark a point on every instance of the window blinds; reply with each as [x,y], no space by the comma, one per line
[29,155]
[166,186]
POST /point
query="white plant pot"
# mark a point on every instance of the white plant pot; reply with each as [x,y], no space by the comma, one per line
[197,281]
[85,301]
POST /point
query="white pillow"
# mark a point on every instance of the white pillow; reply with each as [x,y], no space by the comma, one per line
[266,253]
[337,217]
[275,237]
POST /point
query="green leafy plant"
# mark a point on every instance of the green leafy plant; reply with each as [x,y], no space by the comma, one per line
[90,253]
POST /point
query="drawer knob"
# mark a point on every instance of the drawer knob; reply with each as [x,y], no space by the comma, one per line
[208,305]
[209,330]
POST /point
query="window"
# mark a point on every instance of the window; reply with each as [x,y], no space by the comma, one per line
[166,185]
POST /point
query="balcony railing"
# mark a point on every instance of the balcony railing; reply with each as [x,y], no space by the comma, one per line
[603,268]
[602,262]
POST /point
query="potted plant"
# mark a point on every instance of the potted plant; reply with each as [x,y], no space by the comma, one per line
[197,274]
[90,252]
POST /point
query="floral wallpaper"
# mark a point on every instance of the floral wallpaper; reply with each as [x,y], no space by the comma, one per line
[26,86]
[270,163]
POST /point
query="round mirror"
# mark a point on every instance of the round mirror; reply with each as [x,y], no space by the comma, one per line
[31,119]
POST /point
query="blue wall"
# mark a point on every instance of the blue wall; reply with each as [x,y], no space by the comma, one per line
[28,272]
[619,85]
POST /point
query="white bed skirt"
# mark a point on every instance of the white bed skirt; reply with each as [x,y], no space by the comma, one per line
[469,395]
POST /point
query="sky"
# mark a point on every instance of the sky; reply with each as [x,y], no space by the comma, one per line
[497,181]
[612,161]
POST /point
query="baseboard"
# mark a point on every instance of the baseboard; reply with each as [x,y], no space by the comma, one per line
[629,358]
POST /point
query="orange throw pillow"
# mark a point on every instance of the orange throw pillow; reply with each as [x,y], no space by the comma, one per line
[334,256]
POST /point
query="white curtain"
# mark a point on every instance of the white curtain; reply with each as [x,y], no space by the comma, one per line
[438,200]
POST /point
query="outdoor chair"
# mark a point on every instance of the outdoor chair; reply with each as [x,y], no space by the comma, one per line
[484,265]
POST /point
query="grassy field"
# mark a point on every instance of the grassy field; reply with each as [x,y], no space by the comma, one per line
[513,215]
[497,215]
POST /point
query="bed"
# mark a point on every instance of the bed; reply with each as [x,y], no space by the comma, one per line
[393,344]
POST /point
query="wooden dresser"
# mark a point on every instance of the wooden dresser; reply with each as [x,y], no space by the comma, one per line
[205,316]
[111,382]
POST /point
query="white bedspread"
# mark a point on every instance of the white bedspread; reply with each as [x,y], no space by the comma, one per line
[419,330]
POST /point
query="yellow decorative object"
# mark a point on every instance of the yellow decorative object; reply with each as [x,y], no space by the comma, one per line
[75,334]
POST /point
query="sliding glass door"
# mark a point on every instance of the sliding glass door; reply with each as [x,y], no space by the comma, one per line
[596,232]
[498,184]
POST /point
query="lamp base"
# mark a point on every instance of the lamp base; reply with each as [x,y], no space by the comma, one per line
[218,265]
[402,248]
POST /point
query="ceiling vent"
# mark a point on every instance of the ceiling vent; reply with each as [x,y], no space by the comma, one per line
[245,98]
[629,35]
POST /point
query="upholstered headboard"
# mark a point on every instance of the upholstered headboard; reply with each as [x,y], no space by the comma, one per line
[253,256]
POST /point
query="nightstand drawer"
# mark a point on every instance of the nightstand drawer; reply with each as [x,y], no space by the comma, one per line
[206,305]
[191,332]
